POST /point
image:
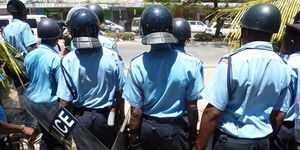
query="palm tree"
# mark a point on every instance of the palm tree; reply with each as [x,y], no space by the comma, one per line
[8,61]
[288,9]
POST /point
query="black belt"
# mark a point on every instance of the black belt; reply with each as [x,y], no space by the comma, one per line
[219,132]
[170,120]
[289,124]
[80,111]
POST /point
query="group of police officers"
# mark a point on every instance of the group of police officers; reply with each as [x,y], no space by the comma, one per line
[251,96]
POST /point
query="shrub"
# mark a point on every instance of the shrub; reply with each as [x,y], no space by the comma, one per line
[128,36]
[115,36]
[203,37]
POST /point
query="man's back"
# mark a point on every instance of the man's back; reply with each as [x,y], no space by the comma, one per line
[42,68]
[258,83]
[164,79]
[19,35]
[95,76]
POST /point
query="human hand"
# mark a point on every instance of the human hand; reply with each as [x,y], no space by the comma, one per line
[30,133]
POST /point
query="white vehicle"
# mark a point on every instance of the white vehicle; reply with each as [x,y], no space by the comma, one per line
[113,27]
[197,26]
[213,27]
[32,20]
[135,25]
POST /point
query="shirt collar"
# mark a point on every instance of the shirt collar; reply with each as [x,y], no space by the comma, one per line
[47,46]
[258,45]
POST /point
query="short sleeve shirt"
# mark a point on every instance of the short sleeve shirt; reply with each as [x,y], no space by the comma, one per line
[94,74]
[260,82]
[293,62]
[43,68]
[19,34]
[162,80]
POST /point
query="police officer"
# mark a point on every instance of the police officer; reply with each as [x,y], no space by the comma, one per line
[18,32]
[162,87]
[247,91]
[285,138]
[43,67]
[19,35]
[91,78]
[104,40]
[182,31]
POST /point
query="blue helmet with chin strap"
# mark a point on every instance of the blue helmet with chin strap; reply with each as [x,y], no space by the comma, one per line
[84,28]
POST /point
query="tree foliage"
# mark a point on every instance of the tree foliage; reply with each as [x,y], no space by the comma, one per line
[288,9]
[7,59]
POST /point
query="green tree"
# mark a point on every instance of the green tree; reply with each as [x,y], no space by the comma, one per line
[288,9]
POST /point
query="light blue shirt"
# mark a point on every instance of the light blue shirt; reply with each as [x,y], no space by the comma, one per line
[293,61]
[94,74]
[42,67]
[260,82]
[108,42]
[19,35]
[162,80]
[2,118]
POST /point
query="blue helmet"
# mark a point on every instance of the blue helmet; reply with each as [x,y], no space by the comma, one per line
[84,23]
[181,29]
[97,9]
[156,25]
[48,29]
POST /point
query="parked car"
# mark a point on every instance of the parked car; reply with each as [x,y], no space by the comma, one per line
[197,26]
[213,27]
[135,25]
[113,27]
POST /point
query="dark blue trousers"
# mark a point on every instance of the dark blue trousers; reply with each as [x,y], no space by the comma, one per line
[285,137]
[96,123]
[164,134]
[225,142]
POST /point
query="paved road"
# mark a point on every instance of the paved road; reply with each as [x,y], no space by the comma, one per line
[209,53]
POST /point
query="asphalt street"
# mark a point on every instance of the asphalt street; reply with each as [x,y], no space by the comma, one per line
[208,52]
